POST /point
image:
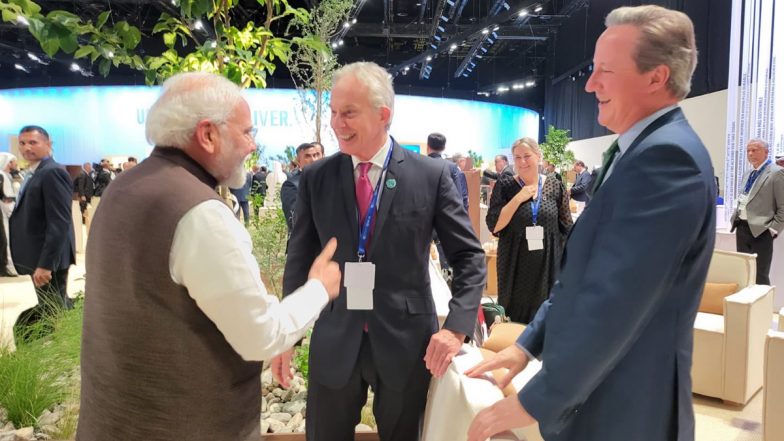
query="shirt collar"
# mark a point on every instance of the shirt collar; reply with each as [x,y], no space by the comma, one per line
[377,159]
[626,138]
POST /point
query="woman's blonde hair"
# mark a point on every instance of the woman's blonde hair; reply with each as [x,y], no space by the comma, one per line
[528,143]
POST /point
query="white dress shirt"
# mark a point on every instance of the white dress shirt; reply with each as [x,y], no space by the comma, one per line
[378,164]
[211,256]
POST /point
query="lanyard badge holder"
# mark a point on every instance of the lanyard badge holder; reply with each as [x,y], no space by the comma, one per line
[360,276]
[535,234]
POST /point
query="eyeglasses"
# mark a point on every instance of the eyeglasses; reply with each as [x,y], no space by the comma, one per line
[252,132]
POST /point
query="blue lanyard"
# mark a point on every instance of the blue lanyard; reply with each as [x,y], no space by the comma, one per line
[753,177]
[364,232]
[538,202]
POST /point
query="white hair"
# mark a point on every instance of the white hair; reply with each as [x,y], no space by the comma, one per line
[760,142]
[666,38]
[376,79]
[186,99]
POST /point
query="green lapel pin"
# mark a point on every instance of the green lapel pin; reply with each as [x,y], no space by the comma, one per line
[391,183]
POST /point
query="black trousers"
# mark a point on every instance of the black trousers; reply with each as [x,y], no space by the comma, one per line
[50,297]
[333,413]
[3,249]
[745,242]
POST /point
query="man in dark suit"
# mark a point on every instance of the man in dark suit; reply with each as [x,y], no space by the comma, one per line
[307,154]
[615,337]
[84,186]
[42,235]
[759,214]
[582,181]
[383,331]
[502,168]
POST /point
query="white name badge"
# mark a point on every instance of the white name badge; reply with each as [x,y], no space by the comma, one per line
[359,280]
[534,233]
[535,244]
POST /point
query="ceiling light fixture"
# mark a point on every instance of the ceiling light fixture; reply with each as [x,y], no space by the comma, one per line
[22,20]
[538,9]
[523,13]
[18,66]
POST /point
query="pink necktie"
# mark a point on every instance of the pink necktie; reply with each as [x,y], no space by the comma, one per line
[363,191]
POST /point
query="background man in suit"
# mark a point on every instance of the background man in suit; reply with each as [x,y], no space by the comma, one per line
[618,326]
[382,332]
[579,191]
[42,235]
[759,215]
[502,167]
[307,154]
[84,186]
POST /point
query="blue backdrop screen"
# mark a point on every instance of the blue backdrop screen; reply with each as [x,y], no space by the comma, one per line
[87,123]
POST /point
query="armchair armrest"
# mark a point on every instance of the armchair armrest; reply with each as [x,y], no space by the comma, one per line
[746,322]
[773,401]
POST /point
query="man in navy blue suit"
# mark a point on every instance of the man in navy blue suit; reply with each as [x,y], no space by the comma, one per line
[42,234]
[615,337]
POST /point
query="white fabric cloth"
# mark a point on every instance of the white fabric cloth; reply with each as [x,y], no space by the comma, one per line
[211,256]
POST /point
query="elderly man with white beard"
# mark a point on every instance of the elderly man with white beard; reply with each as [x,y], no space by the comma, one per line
[176,318]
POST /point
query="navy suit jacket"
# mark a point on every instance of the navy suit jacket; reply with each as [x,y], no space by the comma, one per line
[418,196]
[42,231]
[579,190]
[615,337]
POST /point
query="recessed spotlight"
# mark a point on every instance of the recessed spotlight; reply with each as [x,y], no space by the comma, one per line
[74,67]
[496,27]
[340,42]
[538,9]
[518,86]
[530,84]
[346,25]
[18,66]
[453,46]
[334,45]
[485,31]
[22,21]
[198,25]
[429,58]
[523,13]
[354,21]
[110,54]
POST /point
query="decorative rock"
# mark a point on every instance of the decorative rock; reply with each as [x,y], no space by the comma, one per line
[301,427]
[275,407]
[294,407]
[281,416]
[264,426]
[275,426]
[49,418]
[9,427]
[266,377]
[263,404]
[300,396]
[25,433]
[296,420]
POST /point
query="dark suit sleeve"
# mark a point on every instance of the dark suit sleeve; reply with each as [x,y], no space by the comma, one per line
[304,244]
[582,184]
[288,201]
[660,203]
[464,190]
[777,223]
[464,254]
[57,191]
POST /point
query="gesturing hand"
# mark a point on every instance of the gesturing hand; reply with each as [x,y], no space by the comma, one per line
[511,358]
[326,270]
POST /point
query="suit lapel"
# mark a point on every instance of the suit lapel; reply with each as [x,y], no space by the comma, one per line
[30,180]
[758,183]
[346,172]
[387,194]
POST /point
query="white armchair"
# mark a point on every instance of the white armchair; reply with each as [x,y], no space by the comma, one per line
[773,401]
[730,329]
[454,399]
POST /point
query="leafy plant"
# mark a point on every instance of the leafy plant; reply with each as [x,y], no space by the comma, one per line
[269,235]
[289,155]
[301,354]
[311,66]
[554,148]
[244,52]
[476,158]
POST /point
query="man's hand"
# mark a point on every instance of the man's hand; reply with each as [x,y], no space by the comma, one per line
[83,198]
[444,344]
[501,416]
[41,277]
[511,358]
[327,271]
[281,368]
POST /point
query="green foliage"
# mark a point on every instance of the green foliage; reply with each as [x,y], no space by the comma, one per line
[289,155]
[244,53]
[269,234]
[312,61]
[300,359]
[554,148]
[476,158]
[40,374]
